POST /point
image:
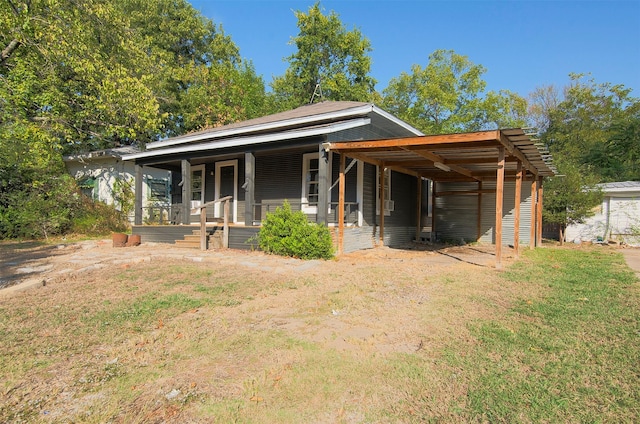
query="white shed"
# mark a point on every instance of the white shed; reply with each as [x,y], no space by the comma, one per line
[617,218]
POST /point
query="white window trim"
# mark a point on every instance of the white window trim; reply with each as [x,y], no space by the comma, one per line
[306,158]
[201,201]
[234,202]
[387,180]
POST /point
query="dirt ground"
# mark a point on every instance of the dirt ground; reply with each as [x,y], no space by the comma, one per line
[27,265]
[366,305]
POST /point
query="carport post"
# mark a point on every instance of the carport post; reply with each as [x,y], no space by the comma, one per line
[532,231]
[539,214]
[381,194]
[499,198]
[341,205]
[516,220]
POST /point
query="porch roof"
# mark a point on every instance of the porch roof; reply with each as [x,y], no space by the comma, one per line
[453,157]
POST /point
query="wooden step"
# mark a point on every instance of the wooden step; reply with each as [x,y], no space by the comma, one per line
[188,243]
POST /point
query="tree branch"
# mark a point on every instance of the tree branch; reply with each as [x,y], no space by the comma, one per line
[6,53]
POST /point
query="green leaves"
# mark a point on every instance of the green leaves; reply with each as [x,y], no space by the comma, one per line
[446,96]
[288,233]
[327,54]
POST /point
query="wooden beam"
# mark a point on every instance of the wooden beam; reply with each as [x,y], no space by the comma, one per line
[534,196]
[499,199]
[466,192]
[403,170]
[479,208]
[436,158]
[425,140]
[513,150]
[341,205]
[203,227]
[516,219]
[539,214]
[381,194]
[225,230]
[479,160]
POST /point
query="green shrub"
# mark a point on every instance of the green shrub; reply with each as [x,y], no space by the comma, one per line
[97,218]
[288,233]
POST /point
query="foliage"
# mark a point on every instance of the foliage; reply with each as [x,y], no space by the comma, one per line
[329,55]
[569,198]
[288,233]
[595,128]
[446,97]
[86,75]
[97,218]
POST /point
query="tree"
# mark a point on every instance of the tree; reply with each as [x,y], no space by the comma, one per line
[446,96]
[569,198]
[589,126]
[329,55]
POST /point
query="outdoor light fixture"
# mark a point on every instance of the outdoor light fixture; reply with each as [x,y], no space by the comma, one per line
[441,166]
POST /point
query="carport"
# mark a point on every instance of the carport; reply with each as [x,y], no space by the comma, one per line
[496,156]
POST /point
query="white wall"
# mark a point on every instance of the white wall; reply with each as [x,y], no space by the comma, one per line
[614,220]
[107,170]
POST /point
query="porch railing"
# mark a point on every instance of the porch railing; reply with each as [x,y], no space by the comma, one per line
[162,214]
[261,209]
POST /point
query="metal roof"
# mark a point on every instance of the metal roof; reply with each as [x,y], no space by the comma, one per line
[453,157]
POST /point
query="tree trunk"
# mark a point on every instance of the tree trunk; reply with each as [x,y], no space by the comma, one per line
[6,53]
[561,235]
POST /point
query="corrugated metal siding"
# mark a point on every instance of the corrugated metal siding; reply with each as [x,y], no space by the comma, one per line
[456,216]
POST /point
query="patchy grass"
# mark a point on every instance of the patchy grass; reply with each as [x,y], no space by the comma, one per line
[552,339]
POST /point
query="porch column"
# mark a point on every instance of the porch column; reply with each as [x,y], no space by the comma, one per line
[539,214]
[186,191]
[341,205]
[323,186]
[249,187]
[433,212]
[419,209]
[499,198]
[532,230]
[381,194]
[137,220]
[516,220]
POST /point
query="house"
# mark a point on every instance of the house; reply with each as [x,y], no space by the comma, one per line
[371,177]
[617,218]
[103,175]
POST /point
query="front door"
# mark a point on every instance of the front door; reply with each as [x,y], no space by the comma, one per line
[227,185]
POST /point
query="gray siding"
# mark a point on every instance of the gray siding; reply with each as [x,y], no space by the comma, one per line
[403,193]
[456,216]
[162,233]
[242,238]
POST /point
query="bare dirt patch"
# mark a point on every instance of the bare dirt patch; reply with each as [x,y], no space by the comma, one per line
[217,333]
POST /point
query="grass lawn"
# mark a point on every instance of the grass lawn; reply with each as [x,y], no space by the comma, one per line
[554,338]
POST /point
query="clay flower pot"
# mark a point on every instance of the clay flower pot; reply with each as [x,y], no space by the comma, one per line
[134,240]
[119,239]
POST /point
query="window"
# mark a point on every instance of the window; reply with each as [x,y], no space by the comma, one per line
[310,182]
[388,203]
[88,187]
[158,189]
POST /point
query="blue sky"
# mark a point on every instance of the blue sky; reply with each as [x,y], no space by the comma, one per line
[522,44]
